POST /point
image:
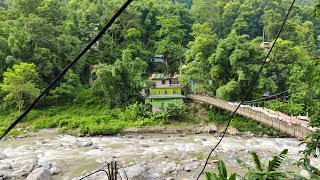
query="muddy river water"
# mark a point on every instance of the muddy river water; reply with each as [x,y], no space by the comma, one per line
[159,156]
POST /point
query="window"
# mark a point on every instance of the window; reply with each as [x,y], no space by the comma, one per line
[163,81]
[174,91]
[165,92]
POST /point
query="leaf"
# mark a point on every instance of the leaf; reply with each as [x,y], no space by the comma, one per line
[233,176]
[256,161]
[276,162]
[222,170]
[210,176]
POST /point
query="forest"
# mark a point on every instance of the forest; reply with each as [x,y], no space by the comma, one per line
[215,45]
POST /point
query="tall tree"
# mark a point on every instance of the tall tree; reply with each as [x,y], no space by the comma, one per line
[20,85]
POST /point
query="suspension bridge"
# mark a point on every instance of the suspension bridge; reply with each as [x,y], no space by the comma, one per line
[286,124]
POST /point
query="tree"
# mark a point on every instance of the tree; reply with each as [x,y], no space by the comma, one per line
[120,83]
[20,85]
[67,89]
[170,40]
[197,64]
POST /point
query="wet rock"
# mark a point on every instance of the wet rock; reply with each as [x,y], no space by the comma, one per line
[191,166]
[232,131]
[204,139]
[265,136]
[155,175]
[3,156]
[179,167]
[248,134]
[55,171]
[305,174]
[22,169]
[136,172]
[84,143]
[210,129]
[170,168]
[159,140]
[5,167]
[145,145]
[44,163]
[40,174]
[141,137]
[170,178]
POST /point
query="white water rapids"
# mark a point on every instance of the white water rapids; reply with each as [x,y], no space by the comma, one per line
[161,155]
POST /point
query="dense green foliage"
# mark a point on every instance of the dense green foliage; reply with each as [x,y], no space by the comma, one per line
[86,119]
[218,43]
[20,85]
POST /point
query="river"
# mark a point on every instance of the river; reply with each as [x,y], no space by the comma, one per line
[161,156]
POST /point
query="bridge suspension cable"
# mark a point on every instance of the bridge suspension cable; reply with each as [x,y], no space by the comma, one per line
[253,82]
[77,58]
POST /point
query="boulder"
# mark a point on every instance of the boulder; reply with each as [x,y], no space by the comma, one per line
[232,131]
[40,174]
[136,173]
[211,129]
[141,137]
[55,171]
[191,166]
[23,169]
[45,163]
[305,174]
[5,167]
[170,178]
[84,143]
[3,156]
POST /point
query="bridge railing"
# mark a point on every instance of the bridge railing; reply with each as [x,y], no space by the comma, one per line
[292,129]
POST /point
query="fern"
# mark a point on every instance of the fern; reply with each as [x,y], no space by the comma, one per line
[256,161]
[222,173]
[276,162]
[222,170]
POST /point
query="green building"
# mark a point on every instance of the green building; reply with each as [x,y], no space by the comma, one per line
[167,90]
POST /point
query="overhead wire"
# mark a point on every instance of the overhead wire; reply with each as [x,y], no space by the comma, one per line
[253,82]
[77,58]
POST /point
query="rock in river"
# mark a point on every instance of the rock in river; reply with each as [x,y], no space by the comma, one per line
[136,172]
[40,174]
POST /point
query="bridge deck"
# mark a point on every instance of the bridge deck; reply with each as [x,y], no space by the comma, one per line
[292,129]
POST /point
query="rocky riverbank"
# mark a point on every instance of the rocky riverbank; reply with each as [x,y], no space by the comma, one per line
[49,155]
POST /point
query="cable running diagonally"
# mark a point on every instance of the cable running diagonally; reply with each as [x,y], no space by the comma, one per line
[98,36]
[253,82]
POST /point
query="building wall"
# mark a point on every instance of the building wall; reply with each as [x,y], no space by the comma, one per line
[161,91]
[163,83]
